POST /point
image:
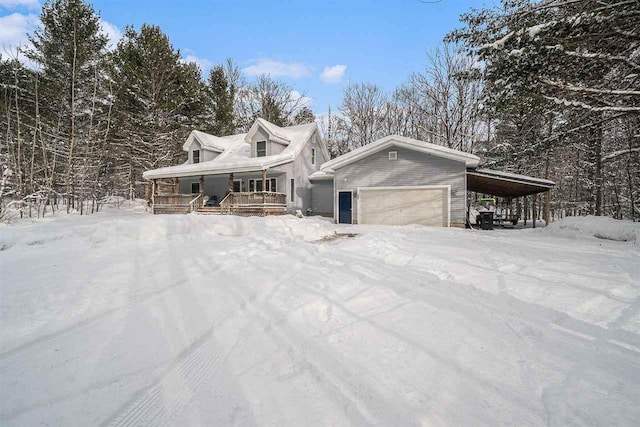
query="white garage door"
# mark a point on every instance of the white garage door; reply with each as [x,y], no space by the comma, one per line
[404,205]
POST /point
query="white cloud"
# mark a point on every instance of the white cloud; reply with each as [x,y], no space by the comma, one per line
[277,69]
[297,97]
[111,31]
[12,4]
[333,74]
[13,31]
[203,63]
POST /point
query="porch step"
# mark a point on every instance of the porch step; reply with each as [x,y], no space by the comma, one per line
[210,210]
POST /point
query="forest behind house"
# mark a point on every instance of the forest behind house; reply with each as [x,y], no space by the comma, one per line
[544,88]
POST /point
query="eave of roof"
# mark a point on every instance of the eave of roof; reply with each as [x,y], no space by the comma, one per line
[505,184]
[470,160]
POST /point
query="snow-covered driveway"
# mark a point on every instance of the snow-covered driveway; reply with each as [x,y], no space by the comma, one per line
[128,319]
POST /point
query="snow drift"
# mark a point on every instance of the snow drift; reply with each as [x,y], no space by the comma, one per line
[124,318]
[596,226]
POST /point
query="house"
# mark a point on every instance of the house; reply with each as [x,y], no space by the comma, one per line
[395,180]
[263,171]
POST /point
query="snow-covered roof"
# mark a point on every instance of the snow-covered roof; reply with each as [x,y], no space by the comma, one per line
[320,176]
[505,184]
[275,132]
[235,152]
[470,160]
[207,141]
[515,176]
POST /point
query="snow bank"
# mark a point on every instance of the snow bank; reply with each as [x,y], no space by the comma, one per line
[594,226]
[123,318]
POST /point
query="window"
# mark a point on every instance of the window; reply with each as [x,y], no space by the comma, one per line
[196,156]
[195,187]
[261,148]
[293,188]
[256,185]
[313,156]
[237,185]
[393,155]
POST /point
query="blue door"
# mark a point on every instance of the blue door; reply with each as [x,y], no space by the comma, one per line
[344,207]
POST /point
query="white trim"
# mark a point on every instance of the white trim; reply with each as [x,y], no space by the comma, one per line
[411,187]
[270,128]
[400,141]
[338,205]
[209,146]
[292,190]
[255,181]
[525,180]
[266,148]
[335,216]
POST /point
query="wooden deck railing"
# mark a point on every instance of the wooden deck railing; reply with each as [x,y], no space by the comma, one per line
[173,199]
[258,203]
[257,199]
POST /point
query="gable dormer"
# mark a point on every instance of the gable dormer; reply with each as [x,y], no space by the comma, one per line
[202,147]
[266,139]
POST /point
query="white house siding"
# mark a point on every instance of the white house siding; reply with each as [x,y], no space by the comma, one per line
[300,170]
[205,155]
[322,198]
[412,168]
[273,148]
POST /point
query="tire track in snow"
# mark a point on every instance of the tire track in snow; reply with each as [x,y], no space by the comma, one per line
[176,388]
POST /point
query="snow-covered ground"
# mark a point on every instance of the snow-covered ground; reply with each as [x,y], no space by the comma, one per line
[124,318]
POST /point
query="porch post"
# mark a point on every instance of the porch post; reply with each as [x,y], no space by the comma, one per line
[202,190]
[547,206]
[155,187]
[264,180]
[231,183]
[176,186]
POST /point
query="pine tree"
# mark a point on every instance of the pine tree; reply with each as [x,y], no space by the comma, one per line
[222,93]
[70,49]
[159,100]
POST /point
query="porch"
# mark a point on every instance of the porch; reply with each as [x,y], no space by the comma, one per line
[219,195]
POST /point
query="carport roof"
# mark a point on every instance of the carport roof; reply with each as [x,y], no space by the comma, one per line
[505,184]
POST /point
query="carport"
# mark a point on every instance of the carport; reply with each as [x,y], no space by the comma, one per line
[510,185]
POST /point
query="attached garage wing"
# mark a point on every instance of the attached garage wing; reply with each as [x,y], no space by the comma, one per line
[426,205]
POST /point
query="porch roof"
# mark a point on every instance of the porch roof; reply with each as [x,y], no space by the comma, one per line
[505,184]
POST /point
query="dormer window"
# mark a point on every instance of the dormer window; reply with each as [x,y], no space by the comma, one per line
[196,156]
[261,149]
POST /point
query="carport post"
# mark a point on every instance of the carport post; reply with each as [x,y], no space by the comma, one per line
[533,209]
[547,207]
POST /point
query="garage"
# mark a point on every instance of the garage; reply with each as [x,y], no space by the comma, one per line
[426,205]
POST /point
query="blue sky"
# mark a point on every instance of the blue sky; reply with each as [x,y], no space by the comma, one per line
[360,41]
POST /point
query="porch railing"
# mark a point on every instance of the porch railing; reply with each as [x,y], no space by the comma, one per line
[173,199]
[261,199]
[196,203]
